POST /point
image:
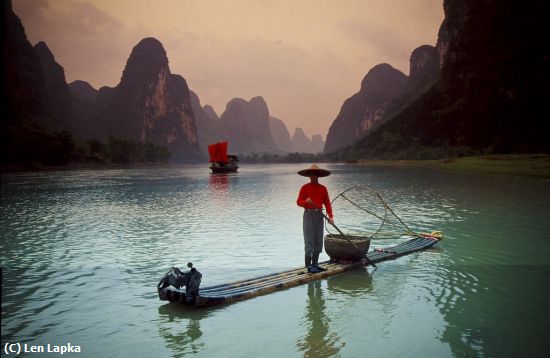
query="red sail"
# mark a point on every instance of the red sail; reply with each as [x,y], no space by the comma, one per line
[218,152]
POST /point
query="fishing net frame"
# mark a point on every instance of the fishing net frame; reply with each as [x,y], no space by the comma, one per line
[404,229]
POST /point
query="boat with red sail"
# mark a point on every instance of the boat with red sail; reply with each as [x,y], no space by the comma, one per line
[220,161]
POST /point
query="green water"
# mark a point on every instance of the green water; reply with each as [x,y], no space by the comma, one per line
[82,252]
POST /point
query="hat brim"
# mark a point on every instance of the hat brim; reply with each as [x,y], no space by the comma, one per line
[314,173]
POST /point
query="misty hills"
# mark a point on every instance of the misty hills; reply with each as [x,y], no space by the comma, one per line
[149,105]
[245,124]
[57,92]
[298,143]
[302,144]
[42,116]
[361,111]
[482,89]
[23,85]
[249,128]
[83,91]
[385,91]
[208,123]
[29,125]
[280,134]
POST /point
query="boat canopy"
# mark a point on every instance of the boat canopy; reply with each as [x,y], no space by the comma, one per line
[218,152]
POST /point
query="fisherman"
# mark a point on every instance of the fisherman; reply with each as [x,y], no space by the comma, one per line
[312,197]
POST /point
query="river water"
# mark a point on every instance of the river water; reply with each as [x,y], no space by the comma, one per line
[82,252]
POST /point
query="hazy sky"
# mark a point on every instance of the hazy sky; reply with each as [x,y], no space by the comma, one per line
[305,57]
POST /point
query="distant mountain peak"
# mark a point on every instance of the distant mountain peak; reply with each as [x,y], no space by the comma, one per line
[236,101]
[57,91]
[147,59]
[280,134]
[299,132]
[302,143]
[381,76]
[246,125]
[83,90]
[490,96]
[150,104]
[148,48]
[424,61]
[82,84]
[258,100]
[209,110]
[44,51]
[363,110]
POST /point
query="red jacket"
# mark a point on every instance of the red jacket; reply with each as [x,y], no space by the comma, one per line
[318,193]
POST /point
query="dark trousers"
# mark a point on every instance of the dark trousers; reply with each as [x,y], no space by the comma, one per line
[313,232]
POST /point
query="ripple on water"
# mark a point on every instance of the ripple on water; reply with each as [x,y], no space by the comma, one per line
[83,250]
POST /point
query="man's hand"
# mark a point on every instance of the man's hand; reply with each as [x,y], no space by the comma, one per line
[309,201]
[331,221]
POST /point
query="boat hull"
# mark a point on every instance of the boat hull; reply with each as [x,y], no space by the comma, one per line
[245,289]
[227,169]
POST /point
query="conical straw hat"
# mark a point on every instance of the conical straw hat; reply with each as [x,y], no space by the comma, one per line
[314,170]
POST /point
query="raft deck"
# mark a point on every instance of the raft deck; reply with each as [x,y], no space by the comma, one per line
[261,285]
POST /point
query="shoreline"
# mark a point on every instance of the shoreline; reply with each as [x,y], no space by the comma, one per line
[532,165]
[38,167]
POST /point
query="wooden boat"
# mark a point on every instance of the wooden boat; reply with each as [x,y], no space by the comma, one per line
[220,161]
[261,285]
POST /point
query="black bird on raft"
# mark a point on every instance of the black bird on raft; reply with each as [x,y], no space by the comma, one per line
[177,278]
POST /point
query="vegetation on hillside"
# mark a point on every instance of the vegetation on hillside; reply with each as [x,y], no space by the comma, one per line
[31,146]
[282,158]
[535,165]
[492,97]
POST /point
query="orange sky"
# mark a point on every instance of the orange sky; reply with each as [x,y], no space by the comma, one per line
[305,57]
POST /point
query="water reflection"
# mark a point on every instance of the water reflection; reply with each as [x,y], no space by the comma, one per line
[73,243]
[319,341]
[184,341]
[220,181]
[347,288]
[354,284]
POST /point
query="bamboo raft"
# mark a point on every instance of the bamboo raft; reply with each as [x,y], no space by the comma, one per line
[261,285]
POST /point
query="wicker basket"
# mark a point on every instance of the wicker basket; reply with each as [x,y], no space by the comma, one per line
[339,249]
